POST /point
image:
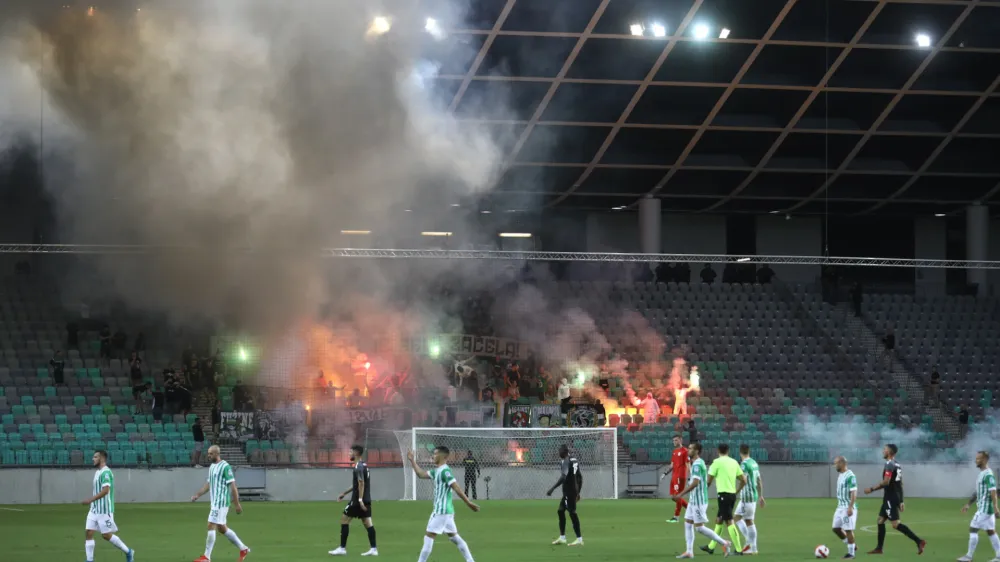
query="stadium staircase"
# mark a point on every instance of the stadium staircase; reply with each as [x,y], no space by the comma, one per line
[896,368]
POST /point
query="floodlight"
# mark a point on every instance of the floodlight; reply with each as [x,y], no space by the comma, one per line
[701,31]
[923,40]
[636,29]
[356,232]
[379,26]
[434,28]
[939,215]
[659,30]
[743,260]
[434,233]
[724,34]
[515,235]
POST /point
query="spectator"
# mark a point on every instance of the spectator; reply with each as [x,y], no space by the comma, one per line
[650,409]
[135,368]
[199,442]
[889,341]
[934,388]
[142,395]
[488,393]
[159,401]
[216,417]
[682,273]
[963,421]
[664,273]
[708,274]
[239,395]
[58,365]
[680,401]
[765,274]
[188,355]
[692,431]
[105,337]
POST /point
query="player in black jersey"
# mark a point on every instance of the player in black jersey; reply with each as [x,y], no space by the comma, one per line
[360,506]
[892,500]
[571,480]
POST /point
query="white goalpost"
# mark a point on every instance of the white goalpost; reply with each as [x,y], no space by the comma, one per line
[512,463]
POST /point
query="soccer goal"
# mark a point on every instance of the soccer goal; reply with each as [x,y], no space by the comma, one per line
[511,463]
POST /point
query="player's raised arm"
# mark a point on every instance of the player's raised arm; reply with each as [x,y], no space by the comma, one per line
[458,490]
[421,473]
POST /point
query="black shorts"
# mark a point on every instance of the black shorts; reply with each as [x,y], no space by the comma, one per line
[889,510]
[568,502]
[727,503]
[354,511]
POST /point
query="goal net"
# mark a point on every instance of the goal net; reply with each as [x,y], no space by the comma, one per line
[509,463]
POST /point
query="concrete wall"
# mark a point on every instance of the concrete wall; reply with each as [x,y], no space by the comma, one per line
[797,236]
[48,486]
[682,234]
[993,251]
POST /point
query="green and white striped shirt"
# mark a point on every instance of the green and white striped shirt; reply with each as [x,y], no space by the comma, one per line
[104,478]
[220,476]
[699,495]
[985,483]
[442,480]
[752,472]
[846,483]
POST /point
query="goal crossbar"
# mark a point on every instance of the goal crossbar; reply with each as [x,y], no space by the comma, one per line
[520,463]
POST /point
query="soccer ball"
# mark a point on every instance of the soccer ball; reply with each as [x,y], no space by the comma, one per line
[822,551]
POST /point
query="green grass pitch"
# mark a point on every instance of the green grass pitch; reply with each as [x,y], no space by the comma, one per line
[521,531]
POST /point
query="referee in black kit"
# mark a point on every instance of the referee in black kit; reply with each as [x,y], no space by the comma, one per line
[471,474]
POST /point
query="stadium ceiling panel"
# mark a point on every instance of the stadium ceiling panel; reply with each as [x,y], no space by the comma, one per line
[738,106]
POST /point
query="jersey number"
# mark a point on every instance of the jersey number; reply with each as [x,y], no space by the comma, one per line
[215,513]
[107,524]
[899,474]
[576,468]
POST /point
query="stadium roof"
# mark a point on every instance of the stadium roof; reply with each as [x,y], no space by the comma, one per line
[807,106]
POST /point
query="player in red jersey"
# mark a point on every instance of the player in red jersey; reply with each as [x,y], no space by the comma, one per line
[679,469]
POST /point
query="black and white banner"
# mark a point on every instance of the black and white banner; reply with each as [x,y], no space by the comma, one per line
[465,344]
[237,427]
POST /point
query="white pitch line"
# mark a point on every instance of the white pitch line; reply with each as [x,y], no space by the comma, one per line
[11,509]
[871,528]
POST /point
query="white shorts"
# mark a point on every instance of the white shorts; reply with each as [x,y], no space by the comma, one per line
[696,513]
[746,511]
[842,521]
[218,515]
[101,523]
[983,522]
[442,524]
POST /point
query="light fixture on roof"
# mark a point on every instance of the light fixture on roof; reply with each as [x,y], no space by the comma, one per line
[485,212]
[380,25]
[618,208]
[515,235]
[636,29]
[659,30]
[724,33]
[743,260]
[434,233]
[774,212]
[355,232]
[939,215]
[455,205]
[701,31]
[434,28]
[923,40]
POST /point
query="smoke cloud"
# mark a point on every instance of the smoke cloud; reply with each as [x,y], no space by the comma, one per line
[221,126]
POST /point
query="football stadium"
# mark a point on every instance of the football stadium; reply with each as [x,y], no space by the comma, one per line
[531,279]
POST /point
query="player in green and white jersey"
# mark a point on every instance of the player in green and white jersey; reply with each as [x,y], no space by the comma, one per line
[985,499]
[697,510]
[749,495]
[101,517]
[846,516]
[221,485]
[443,513]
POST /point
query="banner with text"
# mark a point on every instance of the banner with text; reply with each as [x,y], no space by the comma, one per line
[465,344]
[237,427]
